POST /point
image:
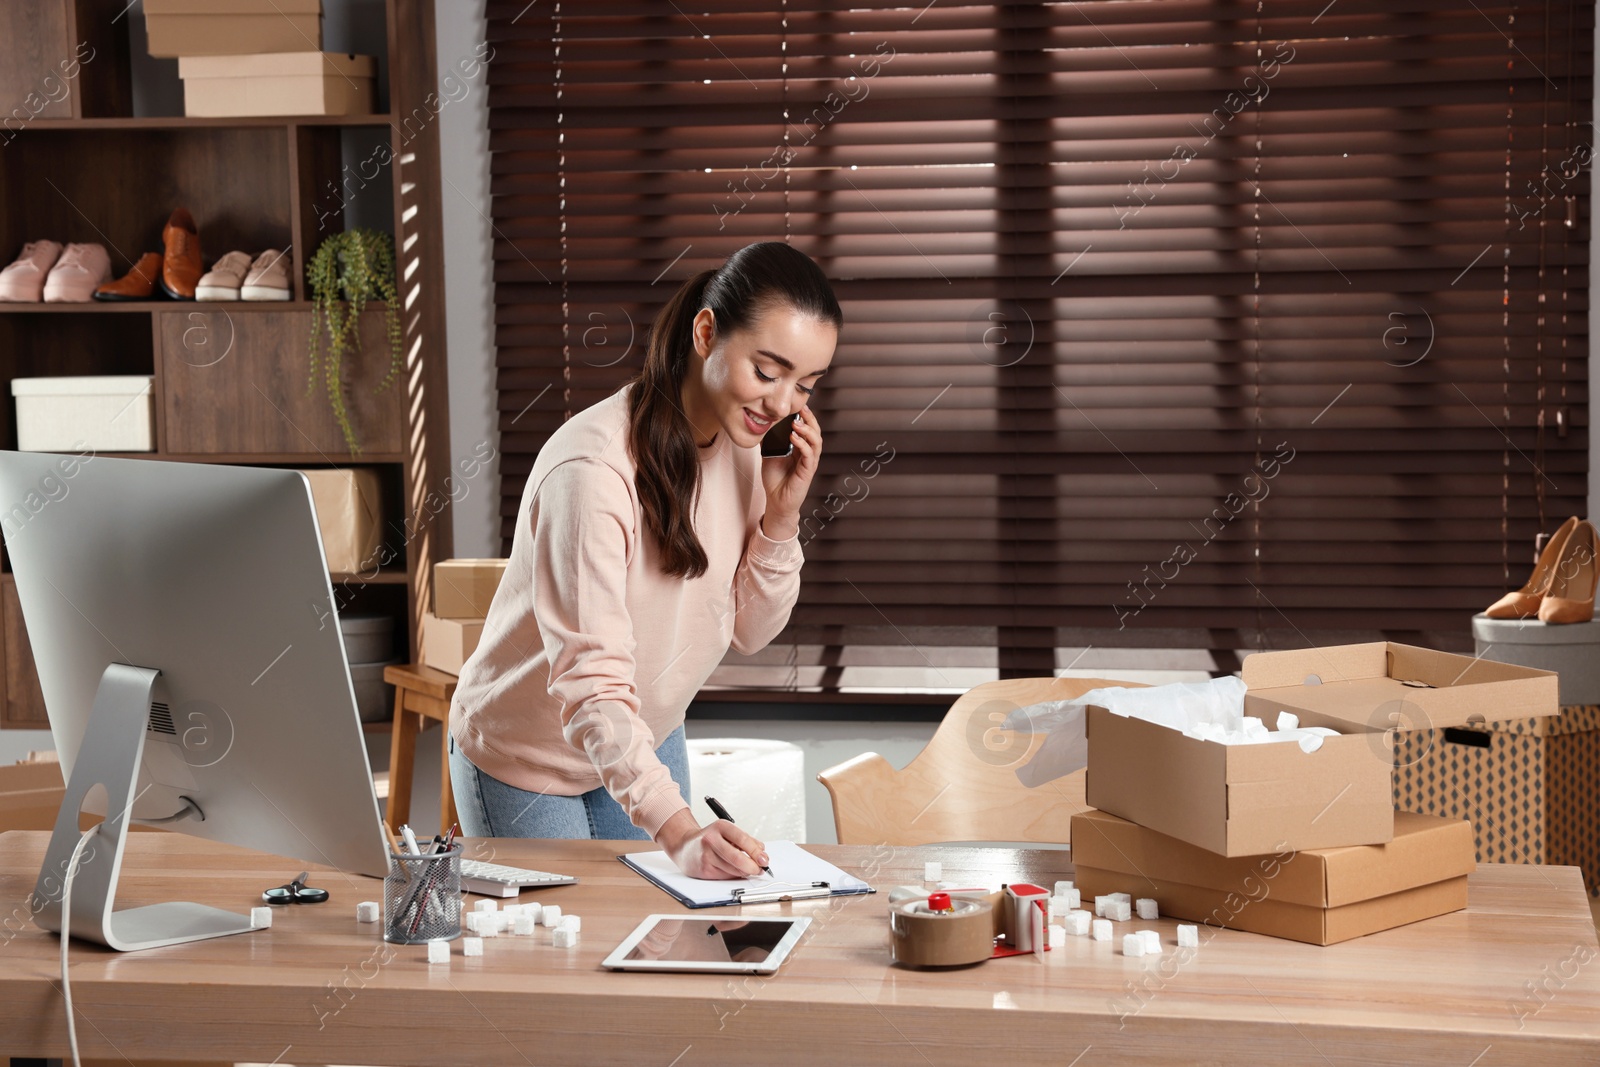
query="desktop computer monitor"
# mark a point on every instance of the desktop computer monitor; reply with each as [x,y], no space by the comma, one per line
[182,621]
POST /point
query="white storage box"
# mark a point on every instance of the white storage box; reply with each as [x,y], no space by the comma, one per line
[107,413]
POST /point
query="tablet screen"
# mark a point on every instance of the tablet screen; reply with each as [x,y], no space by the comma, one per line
[711,940]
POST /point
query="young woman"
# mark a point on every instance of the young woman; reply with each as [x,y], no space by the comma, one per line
[651,537]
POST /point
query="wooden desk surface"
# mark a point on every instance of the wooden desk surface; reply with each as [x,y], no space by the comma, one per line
[1515,979]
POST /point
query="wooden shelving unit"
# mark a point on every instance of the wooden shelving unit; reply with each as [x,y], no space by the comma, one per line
[230,378]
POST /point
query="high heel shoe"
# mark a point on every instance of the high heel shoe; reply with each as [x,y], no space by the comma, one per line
[1524,603]
[1570,597]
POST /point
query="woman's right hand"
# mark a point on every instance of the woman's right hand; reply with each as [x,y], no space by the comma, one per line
[718,851]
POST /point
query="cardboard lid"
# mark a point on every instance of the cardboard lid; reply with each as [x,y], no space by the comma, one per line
[232,7]
[1425,849]
[276,65]
[83,385]
[1384,684]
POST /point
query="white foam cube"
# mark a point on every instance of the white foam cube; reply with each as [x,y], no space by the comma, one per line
[1100,906]
[367,911]
[260,918]
[1148,908]
[1100,929]
[1188,937]
[1125,898]
[1152,942]
[1132,945]
[472,946]
[1119,911]
[932,871]
[565,937]
[472,921]
[1058,937]
[489,926]
[511,910]
[524,925]
[1288,721]
[438,952]
[1059,906]
[1062,888]
[1077,922]
[550,914]
[570,922]
[1074,898]
[485,904]
[531,910]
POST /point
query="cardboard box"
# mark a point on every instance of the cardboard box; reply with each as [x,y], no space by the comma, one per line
[30,796]
[349,510]
[104,412]
[1530,787]
[277,83]
[1572,650]
[464,588]
[1244,800]
[448,643]
[1320,896]
[231,27]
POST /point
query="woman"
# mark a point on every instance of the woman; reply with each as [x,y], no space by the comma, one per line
[651,537]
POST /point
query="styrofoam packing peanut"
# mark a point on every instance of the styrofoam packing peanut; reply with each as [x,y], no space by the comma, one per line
[565,937]
[1077,923]
[489,926]
[438,952]
[1100,906]
[1188,937]
[525,925]
[1058,937]
[1074,897]
[1100,929]
[550,914]
[511,910]
[1148,908]
[485,904]
[1124,897]
[1119,911]
[367,911]
[932,871]
[1132,945]
[260,918]
[1062,887]
[1152,942]
[1059,906]
[570,922]
[472,946]
[533,910]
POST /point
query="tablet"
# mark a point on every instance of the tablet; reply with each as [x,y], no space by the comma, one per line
[708,943]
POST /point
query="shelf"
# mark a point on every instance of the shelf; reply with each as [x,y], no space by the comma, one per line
[99,307]
[385,576]
[183,122]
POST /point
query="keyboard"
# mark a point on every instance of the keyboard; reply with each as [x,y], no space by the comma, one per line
[498,880]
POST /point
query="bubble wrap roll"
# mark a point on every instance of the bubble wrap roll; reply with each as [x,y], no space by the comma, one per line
[761,783]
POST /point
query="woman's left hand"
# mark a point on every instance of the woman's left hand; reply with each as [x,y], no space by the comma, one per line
[788,478]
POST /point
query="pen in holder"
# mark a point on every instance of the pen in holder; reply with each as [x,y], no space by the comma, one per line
[422,897]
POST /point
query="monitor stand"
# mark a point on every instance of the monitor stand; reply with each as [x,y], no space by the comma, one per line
[113,745]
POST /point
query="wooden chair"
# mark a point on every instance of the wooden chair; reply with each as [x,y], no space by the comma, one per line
[419,693]
[963,786]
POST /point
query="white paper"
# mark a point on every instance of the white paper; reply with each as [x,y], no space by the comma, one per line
[792,868]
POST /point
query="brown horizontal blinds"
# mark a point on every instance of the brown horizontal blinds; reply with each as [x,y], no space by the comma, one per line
[1170,325]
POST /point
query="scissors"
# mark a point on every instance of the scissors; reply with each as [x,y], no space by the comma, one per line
[296,892]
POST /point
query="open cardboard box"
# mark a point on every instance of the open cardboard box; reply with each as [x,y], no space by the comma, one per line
[1318,896]
[1245,800]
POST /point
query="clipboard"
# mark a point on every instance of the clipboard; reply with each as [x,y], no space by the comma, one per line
[797,875]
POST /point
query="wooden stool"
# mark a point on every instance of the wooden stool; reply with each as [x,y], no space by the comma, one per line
[419,693]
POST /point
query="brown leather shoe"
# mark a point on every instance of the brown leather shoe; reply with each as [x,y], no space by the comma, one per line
[180,267]
[138,284]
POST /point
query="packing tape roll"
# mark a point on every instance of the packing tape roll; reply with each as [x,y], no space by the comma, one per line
[919,937]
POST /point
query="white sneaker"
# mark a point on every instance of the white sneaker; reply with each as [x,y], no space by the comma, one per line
[268,278]
[223,280]
[81,270]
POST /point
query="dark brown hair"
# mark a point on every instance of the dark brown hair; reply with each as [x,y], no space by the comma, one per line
[666,461]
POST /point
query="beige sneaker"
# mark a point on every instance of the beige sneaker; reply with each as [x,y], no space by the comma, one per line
[81,270]
[23,281]
[223,280]
[268,278]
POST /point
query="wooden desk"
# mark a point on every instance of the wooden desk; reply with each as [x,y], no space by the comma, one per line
[321,988]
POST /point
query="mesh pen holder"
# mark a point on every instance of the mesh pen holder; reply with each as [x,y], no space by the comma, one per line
[422,898]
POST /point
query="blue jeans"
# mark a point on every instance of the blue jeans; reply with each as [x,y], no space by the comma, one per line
[489,807]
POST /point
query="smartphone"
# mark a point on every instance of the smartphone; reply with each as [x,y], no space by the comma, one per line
[775,443]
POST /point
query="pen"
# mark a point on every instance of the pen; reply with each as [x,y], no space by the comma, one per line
[722,813]
[411,840]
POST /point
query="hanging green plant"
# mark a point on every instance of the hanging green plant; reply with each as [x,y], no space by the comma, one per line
[347,271]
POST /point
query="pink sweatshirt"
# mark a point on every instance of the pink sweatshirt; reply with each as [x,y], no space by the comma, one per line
[590,654]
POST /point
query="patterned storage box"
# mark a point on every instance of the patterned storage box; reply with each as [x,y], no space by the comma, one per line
[1530,787]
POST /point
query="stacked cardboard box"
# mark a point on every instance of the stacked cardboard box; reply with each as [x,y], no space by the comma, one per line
[1206,817]
[462,592]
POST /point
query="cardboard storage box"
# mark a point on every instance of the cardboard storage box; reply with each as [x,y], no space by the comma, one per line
[448,643]
[1530,787]
[463,588]
[276,83]
[1572,650]
[30,796]
[103,412]
[1319,896]
[231,27]
[1244,800]
[349,510]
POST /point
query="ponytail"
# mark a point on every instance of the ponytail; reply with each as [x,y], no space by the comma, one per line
[666,459]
